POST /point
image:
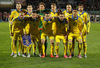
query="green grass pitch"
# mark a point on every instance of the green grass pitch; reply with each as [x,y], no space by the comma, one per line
[92,61]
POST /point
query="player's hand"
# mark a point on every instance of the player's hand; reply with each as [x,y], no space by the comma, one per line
[25,33]
[66,37]
[11,34]
[81,33]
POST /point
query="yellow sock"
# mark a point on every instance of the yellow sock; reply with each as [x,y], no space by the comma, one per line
[19,47]
[22,49]
[12,47]
[80,47]
[52,48]
[85,47]
[34,48]
[65,49]
[15,49]
[29,49]
[56,49]
[43,49]
[25,49]
[70,47]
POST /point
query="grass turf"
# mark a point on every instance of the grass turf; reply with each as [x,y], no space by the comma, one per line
[92,61]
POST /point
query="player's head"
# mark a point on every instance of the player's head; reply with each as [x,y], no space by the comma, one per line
[18,6]
[75,12]
[21,14]
[80,7]
[69,7]
[34,14]
[47,15]
[41,6]
[29,7]
[53,6]
[61,16]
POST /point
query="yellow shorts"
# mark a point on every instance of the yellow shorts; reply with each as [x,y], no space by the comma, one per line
[59,37]
[36,37]
[74,35]
[17,36]
[43,36]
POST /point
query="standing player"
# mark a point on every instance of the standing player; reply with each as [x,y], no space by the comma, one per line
[60,32]
[54,13]
[18,24]
[86,19]
[28,14]
[13,15]
[74,31]
[47,31]
[67,13]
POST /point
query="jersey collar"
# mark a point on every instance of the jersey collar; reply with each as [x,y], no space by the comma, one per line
[20,19]
[28,14]
[62,21]
[18,11]
[81,13]
[46,20]
[74,18]
[54,12]
[69,12]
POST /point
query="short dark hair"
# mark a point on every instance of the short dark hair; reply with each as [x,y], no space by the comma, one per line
[81,5]
[68,4]
[29,5]
[75,8]
[53,4]
[41,3]
[34,11]
[18,3]
[47,13]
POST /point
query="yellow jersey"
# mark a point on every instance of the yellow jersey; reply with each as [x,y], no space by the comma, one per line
[61,27]
[66,13]
[74,24]
[86,19]
[47,26]
[27,26]
[33,24]
[18,25]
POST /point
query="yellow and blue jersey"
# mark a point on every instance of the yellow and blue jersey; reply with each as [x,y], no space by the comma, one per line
[66,13]
[61,27]
[18,25]
[74,24]
[86,19]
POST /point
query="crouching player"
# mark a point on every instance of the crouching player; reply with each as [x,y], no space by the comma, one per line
[47,31]
[33,22]
[18,24]
[60,28]
[74,32]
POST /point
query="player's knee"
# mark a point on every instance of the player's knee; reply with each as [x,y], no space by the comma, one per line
[64,43]
[70,41]
[42,41]
[52,41]
[80,41]
[57,43]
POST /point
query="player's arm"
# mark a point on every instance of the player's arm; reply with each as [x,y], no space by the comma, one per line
[54,26]
[88,23]
[83,26]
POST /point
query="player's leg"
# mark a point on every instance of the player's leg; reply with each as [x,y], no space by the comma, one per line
[57,45]
[70,38]
[46,46]
[65,47]
[80,45]
[43,46]
[34,46]
[73,46]
[52,46]
[12,48]
[84,46]
[19,47]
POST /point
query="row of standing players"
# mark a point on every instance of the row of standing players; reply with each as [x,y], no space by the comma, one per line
[61,29]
